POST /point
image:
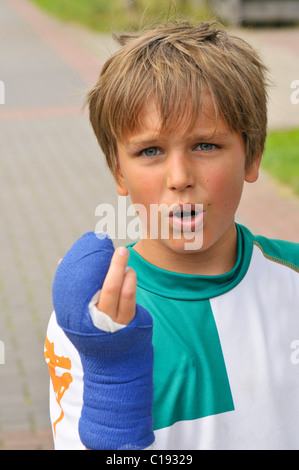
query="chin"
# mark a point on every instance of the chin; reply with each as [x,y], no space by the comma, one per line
[186,245]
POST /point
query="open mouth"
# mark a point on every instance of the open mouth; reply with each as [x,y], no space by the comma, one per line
[187,217]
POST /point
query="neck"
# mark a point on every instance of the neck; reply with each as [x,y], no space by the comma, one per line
[210,261]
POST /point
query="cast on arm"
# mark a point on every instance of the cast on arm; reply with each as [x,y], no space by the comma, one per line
[118,367]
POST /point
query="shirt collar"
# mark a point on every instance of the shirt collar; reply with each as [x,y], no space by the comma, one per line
[188,286]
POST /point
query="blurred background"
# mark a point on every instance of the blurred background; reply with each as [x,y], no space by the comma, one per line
[121,14]
[53,175]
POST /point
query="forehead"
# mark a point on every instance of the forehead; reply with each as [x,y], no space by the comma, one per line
[205,122]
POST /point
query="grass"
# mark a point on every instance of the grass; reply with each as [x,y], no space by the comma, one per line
[281,157]
[116,15]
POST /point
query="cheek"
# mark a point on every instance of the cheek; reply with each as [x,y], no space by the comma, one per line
[225,188]
[144,189]
[143,193]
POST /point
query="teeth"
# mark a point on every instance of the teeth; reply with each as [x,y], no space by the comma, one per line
[185,215]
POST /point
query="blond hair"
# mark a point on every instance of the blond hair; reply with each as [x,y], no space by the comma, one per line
[174,64]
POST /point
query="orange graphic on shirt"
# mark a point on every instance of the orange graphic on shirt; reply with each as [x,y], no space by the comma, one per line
[60,382]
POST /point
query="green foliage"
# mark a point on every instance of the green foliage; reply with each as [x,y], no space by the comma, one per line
[281,157]
[115,15]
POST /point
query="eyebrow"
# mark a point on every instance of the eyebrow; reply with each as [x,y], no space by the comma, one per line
[144,143]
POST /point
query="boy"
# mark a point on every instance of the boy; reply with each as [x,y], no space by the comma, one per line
[180,114]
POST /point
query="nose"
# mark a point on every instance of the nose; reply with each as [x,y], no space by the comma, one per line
[180,173]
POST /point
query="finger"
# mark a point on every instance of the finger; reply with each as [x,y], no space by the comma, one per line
[59,261]
[111,288]
[127,299]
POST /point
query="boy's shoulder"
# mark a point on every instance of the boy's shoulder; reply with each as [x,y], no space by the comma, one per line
[280,251]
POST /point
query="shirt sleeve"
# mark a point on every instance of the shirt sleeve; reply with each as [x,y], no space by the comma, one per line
[66,387]
[66,378]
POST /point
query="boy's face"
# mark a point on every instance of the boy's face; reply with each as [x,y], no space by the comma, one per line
[196,167]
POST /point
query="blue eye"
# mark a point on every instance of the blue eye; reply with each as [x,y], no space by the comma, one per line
[150,152]
[206,147]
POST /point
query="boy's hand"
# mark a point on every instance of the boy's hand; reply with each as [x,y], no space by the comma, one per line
[118,294]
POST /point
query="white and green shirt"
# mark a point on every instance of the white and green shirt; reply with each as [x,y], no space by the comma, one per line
[226,354]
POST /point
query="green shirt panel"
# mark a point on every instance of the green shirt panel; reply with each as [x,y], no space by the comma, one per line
[190,379]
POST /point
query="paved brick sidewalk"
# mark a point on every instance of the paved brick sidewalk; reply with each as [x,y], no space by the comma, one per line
[52,178]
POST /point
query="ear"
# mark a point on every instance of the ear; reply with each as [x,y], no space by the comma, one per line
[252,172]
[120,182]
